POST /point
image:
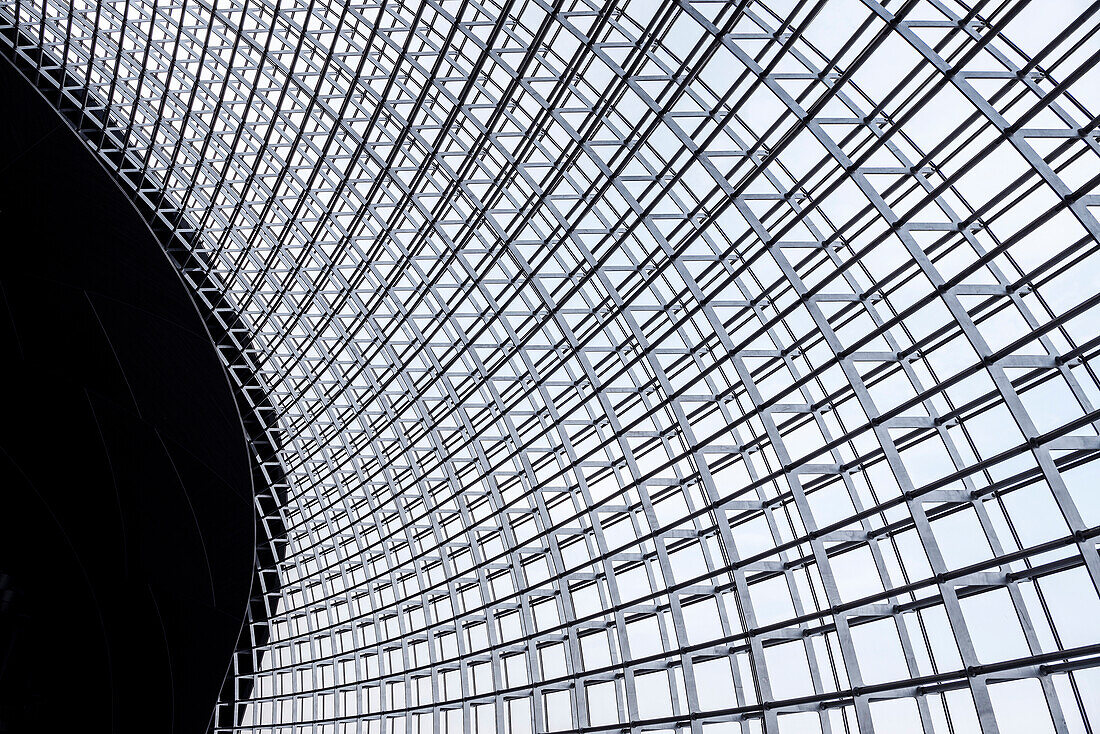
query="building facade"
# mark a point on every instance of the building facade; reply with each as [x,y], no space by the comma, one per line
[664,366]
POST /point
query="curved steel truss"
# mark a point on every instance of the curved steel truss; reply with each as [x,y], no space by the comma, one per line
[663,366]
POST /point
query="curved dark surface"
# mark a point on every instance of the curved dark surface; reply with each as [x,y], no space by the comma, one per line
[127,521]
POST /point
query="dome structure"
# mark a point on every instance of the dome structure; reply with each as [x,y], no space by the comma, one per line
[719,366]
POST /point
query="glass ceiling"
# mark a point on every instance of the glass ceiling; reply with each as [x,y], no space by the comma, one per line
[652,366]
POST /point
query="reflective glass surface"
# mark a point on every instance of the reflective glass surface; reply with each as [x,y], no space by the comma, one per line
[662,366]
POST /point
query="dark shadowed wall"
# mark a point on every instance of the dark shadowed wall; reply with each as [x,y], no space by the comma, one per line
[126,520]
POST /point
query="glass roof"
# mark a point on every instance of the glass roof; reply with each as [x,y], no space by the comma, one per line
[662,366]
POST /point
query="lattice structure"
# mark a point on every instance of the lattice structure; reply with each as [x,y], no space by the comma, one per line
[709,366]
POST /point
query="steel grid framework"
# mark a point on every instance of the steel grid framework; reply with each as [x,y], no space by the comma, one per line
[709,366]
